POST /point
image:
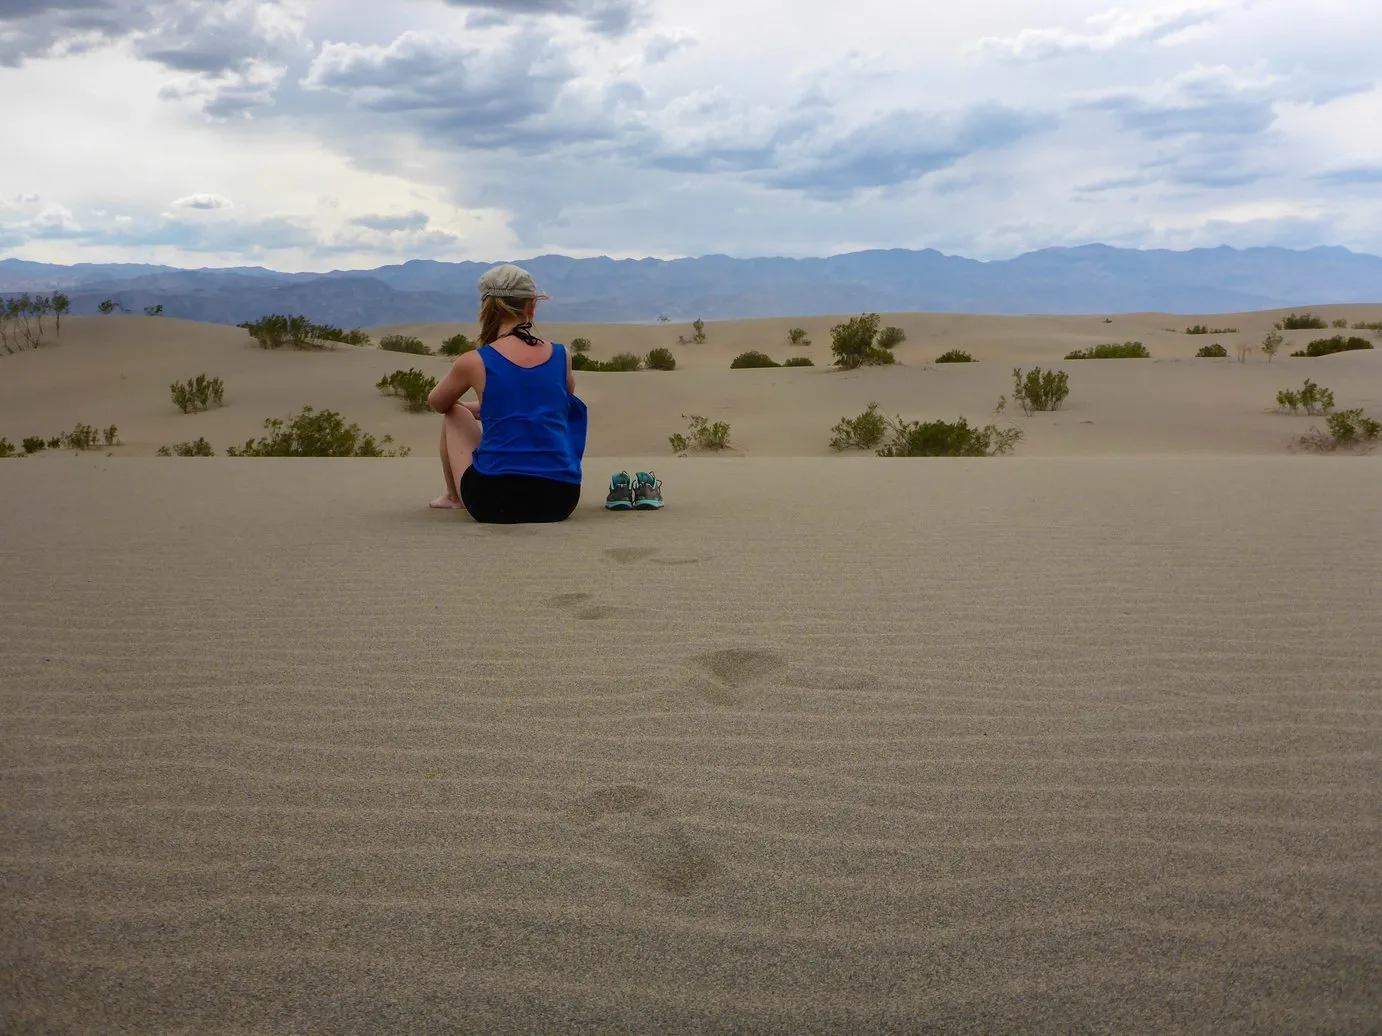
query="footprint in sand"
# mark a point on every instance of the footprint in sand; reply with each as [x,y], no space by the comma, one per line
[626,820]
[581,606]
[633,555]
[723,673]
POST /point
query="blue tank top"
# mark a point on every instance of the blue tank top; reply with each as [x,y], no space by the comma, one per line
[530,424]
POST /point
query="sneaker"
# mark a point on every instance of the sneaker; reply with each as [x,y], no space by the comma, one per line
[620,493]
[647,491]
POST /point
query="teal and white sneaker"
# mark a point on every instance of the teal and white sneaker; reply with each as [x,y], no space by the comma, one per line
[647,492]
[620,493]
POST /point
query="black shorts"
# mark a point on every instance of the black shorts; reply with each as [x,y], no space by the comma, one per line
[517,499]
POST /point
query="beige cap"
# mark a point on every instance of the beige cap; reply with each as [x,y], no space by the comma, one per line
[510,282]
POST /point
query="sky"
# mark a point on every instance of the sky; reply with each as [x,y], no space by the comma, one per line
[331,134]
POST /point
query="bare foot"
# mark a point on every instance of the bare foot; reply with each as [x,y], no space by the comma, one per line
[447,503]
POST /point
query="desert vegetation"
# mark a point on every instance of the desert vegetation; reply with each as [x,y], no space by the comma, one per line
[199,393]
[1111,351]
[1345,430]
[412,386]
[1040,390]
[6,448]
[955,356]
[455,345]
[1300,322]
[660,359]
[898,438]
[404,344]
[798,361]
[797,336]
[701,434]
[862,432]
[313,433]
[81,437]
[1211,351]
[697,334]
[1271,344]
[1330,346]
[22,319]
[1201,329]
[752,358]
[580,346]
[857,343]
[891,337]
[196,448]
[278,330]
[1314,400]
[154,311]
[1367,325]
[618,363]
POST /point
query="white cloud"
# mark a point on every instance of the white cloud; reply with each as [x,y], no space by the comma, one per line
[204,202]
[1109,30]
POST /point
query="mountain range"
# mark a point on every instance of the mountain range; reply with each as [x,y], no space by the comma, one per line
[1089,279]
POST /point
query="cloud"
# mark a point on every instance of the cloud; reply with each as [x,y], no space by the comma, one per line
[205,202]
[1108,31]
[1352,176]
[665,44]
[607,17]
[1209,102]
[392,224]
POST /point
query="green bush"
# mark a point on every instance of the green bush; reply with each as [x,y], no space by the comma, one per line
[798,361]
[198,448]
[404,344]
[948,439]
[1337,344]
[1271,344]
[328,333]
[580,346]
[1367,325]
[1348,429]
[698,331]
[277,330]
[1214,351]
[890,337]
[1300,322]
[703,435]
[853,343]
[82,437]
[1313,399]
[1341,322]
[1201,329]
[797,336]
[864,432]
[34,444]
[660,359]
[200,393]
[1040,390]
[55,443]
[412,386]
[1111,351]
[955,356]
[752,358]
[456,345]
[7,448]
[315,434]
[623,362]
[111,436]
[582,362]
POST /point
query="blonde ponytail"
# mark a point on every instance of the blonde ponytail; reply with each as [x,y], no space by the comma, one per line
[495,310]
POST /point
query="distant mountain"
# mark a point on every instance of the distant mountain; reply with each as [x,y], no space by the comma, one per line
[1087,279]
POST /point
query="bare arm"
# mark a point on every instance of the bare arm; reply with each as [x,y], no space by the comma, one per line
[570,377]
[459,380]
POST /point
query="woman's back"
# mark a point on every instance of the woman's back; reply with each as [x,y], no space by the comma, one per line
[532,424]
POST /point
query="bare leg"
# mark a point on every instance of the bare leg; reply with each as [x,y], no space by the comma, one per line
[460,434]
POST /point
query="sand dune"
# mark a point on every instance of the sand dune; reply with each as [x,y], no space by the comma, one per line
[1040,745]
[1083,740]
[117,371]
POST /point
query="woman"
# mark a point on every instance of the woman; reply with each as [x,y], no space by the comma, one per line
[526,466]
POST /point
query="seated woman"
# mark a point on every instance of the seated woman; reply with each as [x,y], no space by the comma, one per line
[526,464]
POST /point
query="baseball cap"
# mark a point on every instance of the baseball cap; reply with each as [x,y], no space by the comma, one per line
[511,282]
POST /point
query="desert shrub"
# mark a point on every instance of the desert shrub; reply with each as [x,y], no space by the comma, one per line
[580,346]
[55,443]
[623,362]
[412,386]
[798,361]
[404,344]
[107,307]
[1367,325]
[7,448]
[948,439]
[582,362]
[82,437]
[797,336]
[34,444]
[891,337]
[1201,329]
[752,358]
[954,356]
[22,318]
[1111,351]
[1347,430]
[315,434]
[197,448]
[660,359]
[1271,344]
[854,343]
[456,345]
[864,432]
[701,435]
[1337,344]
[277,330]
[1313,399]
[199,393]
[111,436]
[1341,322]
[698,331]
[1300,322]
[1040,390]
[330,333]
[1213,351]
